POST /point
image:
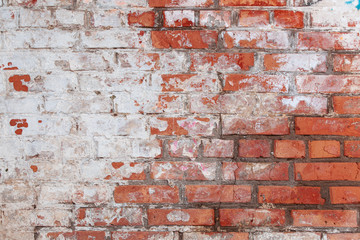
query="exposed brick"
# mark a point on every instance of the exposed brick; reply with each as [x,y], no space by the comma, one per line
[174,3]
[252,217]
[286,235]
[179,18]
[352,149]
[146,194]
[334,171]
[252,3]
[343,236]
[324,149]
[327,126]
[290,195]
[346,105]
[193,217]
[257,126]
[327,84]
[218,148]
[254,148]
[346,63]
[124,235]
[344,195]
[256,39]
[141,19]
[289,149]
[255,171]
[324,218]
[251,18]
[215,18]
[184,148]
[184,39]
[221,61]
[256,83]
[215,236]
[289,19]
[328,41]
[189,83]
[295,62]
[218,193]
[183,170]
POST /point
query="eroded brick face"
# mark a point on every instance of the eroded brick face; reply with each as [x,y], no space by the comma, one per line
[179,120]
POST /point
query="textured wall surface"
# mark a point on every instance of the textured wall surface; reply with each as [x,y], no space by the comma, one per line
[180,119]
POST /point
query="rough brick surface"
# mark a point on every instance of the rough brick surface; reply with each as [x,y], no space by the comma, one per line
[179,119]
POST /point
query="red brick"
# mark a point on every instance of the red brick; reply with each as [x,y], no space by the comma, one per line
[218,148]
[215,235]
[324,218]
[85,235]
[251,18]
[183,126]
[146,194]
[256,39]
[252,2]
[352,149]
[184,148]
[254,148]
[344,195]
[255,171]
[327,126]
[324,149]
[289,19]
[327,84]
[290,195]
[183,171]
[187,217]
[286,235]
[295,62]
[252,217]
[141,19]
[222,103]
[126,171]
[109,217]
[254,126]
[347,63]
[256,83]
[218,193]
[289,149]
[184,39]
[122,235]
[334,171]
[176,3]
[343,236]
[215,18]
[293,104]
[221,61]
[179,18]
[328,41]
[189,83]
[346,104]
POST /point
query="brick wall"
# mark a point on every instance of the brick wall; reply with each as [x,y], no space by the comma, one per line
[179,119]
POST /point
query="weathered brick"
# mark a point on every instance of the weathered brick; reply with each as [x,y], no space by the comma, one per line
[186,3]
[218,193]
[146,194]
[179,18]
[70,18]
[324,149]
[113,18]
[346,63]
[352,149]
[290,195]
[346,104]
[189,83]
[327,126]
[127,235]
[343,236]
[215,18]
[288,19]
[109,217]
[218,148]
[289,149]
[344,195]
[254,148]
[255,171]
[295,62]
[252,18]
[184,39]
[252,217]
[184,148]
[254,126]
[328,41]
[324,218]
[334,171]
[221,61]
[183,170]
[215,236]
[256,83]
[286,236]
[252,3]
[256,39]
[141,19]
[193,217]
[327,84]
